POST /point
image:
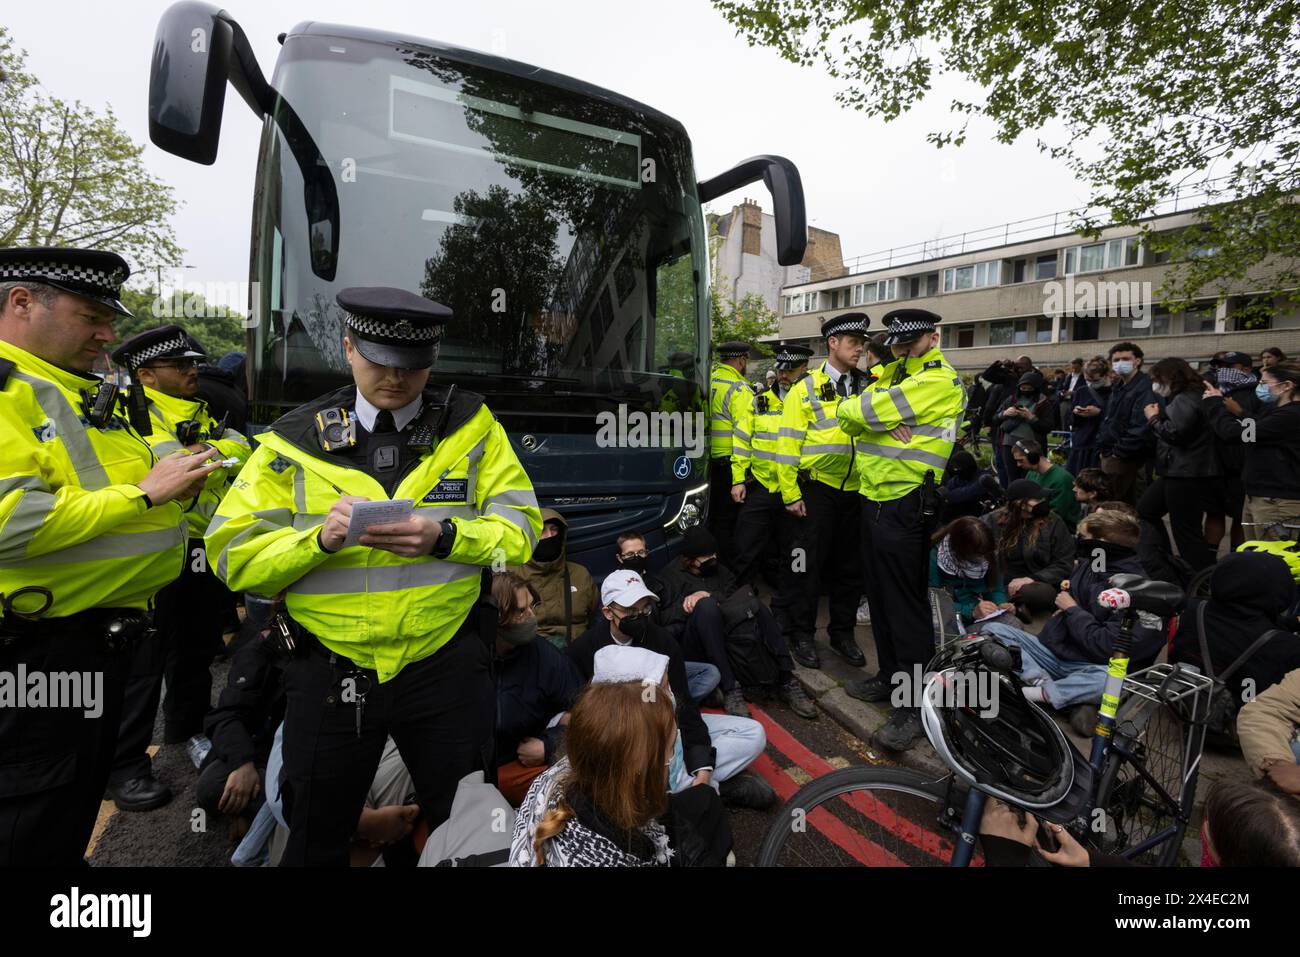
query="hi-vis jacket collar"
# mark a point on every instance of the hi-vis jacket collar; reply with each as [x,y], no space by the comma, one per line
[299,426]
[28,362]
[174,408]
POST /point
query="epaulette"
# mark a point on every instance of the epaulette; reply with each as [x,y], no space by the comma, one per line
[6,366]
[933,364]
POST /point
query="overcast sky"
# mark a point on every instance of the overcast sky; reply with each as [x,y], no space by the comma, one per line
[876,184]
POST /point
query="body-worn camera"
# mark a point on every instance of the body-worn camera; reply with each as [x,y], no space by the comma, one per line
[100,404]
[828,391]
[189,431]
[336,429]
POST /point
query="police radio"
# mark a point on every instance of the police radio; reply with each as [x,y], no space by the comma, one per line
[137,408]
[336,429]
[760,404]
[426,433]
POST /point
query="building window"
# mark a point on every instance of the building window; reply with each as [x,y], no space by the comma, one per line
[1084,328]
[1199,320]
[1152,324]
[1045,267]
[1018,271]
[1044,330]
[977,276]
[880,291]
[801,303]
[932,284]
[1008,332]
[959,337]
[1094,257]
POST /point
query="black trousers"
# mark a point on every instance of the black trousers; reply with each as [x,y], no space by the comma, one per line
[189,617]
[828,541]
[722,510]
[705,639]
[1186,501]
[896,549]
[54,762]
[762,521]
[440,712]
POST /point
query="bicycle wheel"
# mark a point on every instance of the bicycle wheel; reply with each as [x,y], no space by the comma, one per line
[863,817]
[1149,737]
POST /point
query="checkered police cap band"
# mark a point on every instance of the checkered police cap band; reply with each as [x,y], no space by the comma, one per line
[792,358]
[101,282]
[155,350]
[844,327]
[904,327]
[401,331]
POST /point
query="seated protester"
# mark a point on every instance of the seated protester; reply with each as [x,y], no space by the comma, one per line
[968,489]
[241,727]
[1066,663]
[1249,591]
[536,682]
[1114,505]
[1091,486]
[716,745]
[568,595]
[701,677]
[1041,470]
[702,598]
[1027,414]
[1033,548]
[601,804]
[961,563]
[1268,729]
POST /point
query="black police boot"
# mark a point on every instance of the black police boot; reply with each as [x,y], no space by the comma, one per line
[805,652]
[874,688]
[140,794]
[848,649]
[901,731]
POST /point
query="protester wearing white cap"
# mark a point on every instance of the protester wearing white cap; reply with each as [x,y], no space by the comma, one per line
[716,747]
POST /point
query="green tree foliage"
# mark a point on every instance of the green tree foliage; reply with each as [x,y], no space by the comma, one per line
[72,177]
[1135,98]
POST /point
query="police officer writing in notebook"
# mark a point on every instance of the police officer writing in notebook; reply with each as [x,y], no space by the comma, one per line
[388,634]
[90,530]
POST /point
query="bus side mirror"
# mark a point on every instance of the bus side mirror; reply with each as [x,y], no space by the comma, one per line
[197,48]
[782,180]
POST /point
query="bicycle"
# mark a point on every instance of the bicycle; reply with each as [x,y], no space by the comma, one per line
[1132,796]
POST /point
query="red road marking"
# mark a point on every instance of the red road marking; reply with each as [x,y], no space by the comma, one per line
[781,739]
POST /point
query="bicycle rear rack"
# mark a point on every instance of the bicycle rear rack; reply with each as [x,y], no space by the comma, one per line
[1171,684]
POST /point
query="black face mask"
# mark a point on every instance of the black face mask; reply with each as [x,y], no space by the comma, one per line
[635,626]
[635,563]
[548,549]
[518,634]
[707,569]
[1042,509]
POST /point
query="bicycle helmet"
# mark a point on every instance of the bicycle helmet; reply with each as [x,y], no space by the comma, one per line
[1003,744]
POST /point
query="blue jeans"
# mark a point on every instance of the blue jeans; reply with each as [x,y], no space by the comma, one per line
[701,678]
[252,850]
[1063,682]
[738,742]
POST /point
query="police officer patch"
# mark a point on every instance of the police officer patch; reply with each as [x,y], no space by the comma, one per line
[448,490]
[279,464]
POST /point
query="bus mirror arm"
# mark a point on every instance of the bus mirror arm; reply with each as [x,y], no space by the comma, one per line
[246,73]
[781,177]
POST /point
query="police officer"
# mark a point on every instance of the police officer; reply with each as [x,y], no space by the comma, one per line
[90,530]
[389,633]
[729,397]
[905,426]
[819,485]
[191,611]
[755,453]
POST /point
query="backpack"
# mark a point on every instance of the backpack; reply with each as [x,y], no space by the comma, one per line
[750,658]
[1221,719]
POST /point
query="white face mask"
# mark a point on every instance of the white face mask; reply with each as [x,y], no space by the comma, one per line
[1123,367]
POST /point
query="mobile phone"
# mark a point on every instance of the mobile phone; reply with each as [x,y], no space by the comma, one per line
[1047,838]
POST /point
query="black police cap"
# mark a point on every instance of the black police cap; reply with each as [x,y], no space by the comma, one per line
[392,327]
[908,325]
[733,350]
[93,274]
[789,356]
[848,323]
[165,342]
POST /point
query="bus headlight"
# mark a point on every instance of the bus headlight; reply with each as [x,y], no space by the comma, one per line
[693,504]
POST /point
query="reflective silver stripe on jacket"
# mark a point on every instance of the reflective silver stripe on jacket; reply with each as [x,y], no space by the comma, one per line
[891,452]
[67,423]
[107,547]
[381,578]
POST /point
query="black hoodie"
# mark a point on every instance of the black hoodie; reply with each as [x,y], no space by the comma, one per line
[1249,590]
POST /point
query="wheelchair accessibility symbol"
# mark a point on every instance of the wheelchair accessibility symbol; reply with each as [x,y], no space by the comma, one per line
[682,467]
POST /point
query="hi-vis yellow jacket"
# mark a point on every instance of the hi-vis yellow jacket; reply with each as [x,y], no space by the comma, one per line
[729,397]
[927,396]
[72,518]
[166,411]
[756,445]
[811,439]
[379,609]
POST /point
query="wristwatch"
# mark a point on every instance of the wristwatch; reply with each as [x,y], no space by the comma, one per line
[445,540]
